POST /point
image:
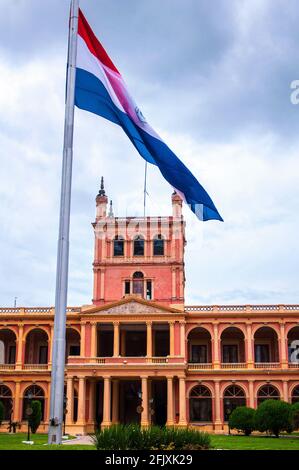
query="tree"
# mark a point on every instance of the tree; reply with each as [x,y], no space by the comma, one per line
[36,416]
[1,412]
[274,416]
[242,419]
[295,409]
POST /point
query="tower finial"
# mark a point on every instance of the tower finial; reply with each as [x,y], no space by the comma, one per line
[111,210]
[102,190]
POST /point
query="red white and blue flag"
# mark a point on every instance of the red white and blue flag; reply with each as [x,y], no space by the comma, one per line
[101,89]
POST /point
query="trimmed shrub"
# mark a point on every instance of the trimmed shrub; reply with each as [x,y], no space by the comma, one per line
[36,416]
[1,412]
[274,416]
[133,437]
[295,410]
[242,419]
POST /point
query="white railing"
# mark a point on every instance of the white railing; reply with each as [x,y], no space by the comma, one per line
[294,365]
[240,308]
[267,365]
[199,365]
[35,367]
[7,366]
[233,365]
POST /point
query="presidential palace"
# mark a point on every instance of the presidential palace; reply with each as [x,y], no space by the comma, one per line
[138,353]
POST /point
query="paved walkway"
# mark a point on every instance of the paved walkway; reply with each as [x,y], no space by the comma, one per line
[80,440]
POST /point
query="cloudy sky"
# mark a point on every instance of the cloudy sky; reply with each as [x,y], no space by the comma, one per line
[213,78]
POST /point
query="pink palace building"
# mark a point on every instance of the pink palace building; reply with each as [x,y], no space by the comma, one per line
[138,353]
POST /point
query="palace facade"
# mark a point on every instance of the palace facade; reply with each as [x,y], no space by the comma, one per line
[138,353]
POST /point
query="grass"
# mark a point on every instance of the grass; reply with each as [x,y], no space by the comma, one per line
[234,442]
[14,442]
[239,442]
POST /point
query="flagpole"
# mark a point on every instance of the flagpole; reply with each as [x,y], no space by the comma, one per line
[58,346]
[144,188]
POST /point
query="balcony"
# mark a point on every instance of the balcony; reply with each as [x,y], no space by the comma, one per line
[36,367]
[267,365]
[7,366]
[200,366]
[293,365]
[233,365]
[120,361]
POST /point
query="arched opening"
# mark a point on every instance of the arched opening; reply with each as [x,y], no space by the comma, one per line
[36,393]
[232,346]
[118,246]
[200,404]
[138,283]
[267,392]
[72,342]
[199,346]
[7,401]
[293,345]
[295,394]
[7,347]
[233,397]
[158,245]
[36,350]
[266,345]
[138,246]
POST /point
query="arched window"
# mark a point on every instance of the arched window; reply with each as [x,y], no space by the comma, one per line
[158,245]
[233,397]
[118,246]
[267,392]
[139,246]
[35,393]
[6,400]
[200,404]
[7,346]
[295,394]
[36,349]
[138,283]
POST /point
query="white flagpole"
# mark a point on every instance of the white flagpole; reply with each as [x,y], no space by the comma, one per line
[58,347]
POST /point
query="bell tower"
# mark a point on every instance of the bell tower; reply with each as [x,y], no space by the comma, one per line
[141,256]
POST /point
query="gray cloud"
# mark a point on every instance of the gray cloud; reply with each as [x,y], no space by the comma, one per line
[213,79]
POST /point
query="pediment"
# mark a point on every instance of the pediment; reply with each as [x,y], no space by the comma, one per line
[131,306]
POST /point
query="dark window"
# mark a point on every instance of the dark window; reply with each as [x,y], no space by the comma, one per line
[118,246]
[74,350]
[200,403]
[149,290]
[37,394]
[295,395]
[262,353]
[161,343]
[11,355]
[43,355]
[139,246]
[230,353]
[267,392]
[158,246]
[138,283]
[199,353]
[233,397]
[127,287]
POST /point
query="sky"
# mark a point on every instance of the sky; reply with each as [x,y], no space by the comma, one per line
[213,78]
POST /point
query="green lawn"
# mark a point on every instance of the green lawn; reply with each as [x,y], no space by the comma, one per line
[14,442]
[239,442]
[235,442]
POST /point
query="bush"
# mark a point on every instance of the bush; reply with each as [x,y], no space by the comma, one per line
[295,410]
[133,437]
[36,416]
[1,412]
[242,419]
[274,416]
